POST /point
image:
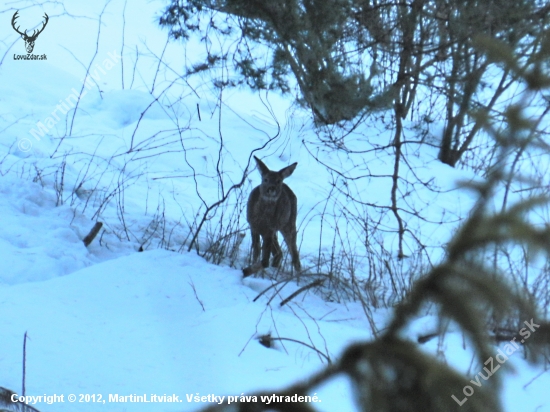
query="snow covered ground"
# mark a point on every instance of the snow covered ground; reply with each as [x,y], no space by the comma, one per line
[109,320]
[160,323]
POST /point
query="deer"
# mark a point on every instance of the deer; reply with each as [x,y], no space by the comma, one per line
[272,207]
[29,40]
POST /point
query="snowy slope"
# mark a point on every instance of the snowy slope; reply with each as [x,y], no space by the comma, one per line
[156,323]
[160,322]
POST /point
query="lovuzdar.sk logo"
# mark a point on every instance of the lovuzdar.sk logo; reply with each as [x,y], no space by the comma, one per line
[29,39]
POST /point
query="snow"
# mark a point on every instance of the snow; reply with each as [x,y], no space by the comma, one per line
[158,322]
[108,319]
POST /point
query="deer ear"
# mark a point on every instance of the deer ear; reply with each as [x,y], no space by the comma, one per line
[261,166]
[287,171]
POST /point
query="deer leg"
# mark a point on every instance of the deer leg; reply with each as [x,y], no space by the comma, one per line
[256,266]
[266,249]
[276,251]
[290,240]
[250,270]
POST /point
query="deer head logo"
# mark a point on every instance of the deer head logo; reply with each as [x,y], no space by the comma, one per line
[29,40]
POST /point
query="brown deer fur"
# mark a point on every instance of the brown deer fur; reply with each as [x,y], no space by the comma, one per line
[272,207]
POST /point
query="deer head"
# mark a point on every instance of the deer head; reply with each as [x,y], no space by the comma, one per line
[29,40]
